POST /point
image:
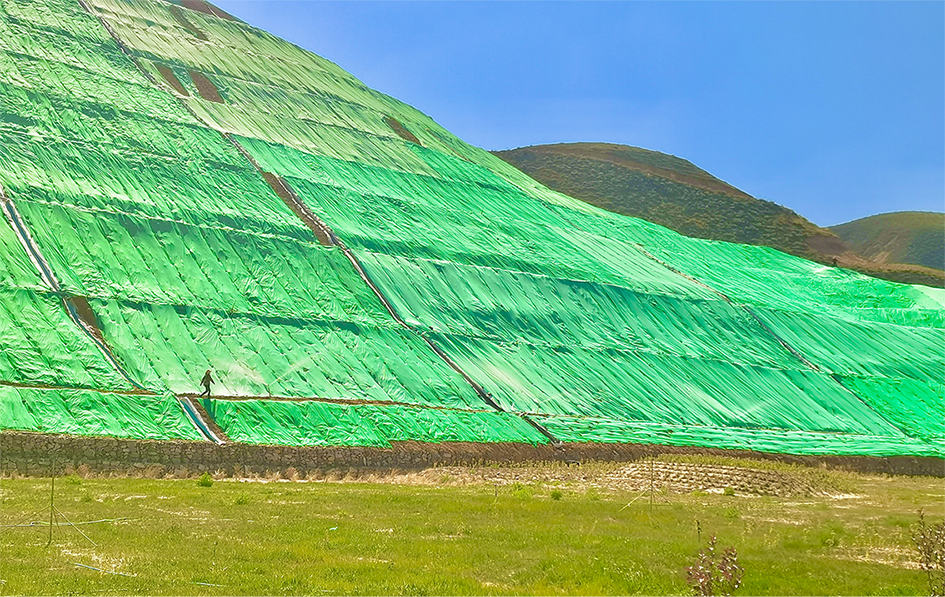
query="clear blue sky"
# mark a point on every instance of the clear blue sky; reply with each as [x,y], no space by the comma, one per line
[836,110]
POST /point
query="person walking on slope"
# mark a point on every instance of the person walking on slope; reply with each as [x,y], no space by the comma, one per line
[205,382]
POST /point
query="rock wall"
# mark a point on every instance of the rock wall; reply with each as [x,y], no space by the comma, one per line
[34,454]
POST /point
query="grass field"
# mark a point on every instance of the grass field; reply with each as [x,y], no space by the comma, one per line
[531,530]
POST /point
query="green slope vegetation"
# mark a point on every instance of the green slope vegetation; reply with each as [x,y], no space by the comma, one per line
[452,531]
[353,274]
[672,192]
[914,237]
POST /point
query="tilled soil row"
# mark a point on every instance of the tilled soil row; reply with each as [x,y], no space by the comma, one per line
[643,476]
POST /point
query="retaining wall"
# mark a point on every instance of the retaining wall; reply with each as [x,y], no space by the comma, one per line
[34,454]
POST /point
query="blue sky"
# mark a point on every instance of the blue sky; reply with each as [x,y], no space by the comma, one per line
[836,110]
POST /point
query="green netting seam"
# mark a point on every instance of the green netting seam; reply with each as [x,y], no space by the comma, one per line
[486,397]
[774,335]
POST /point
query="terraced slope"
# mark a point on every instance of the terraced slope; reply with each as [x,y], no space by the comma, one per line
[184,192]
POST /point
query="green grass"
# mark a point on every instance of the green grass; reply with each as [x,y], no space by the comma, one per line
[359,538]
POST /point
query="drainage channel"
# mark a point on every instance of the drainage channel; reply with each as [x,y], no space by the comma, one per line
[192,412]
[323,233]
[764,326]
[87,327]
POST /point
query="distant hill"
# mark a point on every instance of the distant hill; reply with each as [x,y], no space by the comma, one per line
[673,192]
[916,237]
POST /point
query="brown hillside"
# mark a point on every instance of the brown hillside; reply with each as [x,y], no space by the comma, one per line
[673,192]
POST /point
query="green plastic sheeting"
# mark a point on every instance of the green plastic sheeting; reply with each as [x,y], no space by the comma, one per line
[189,259]
[863,348]
[552,306]
[642,387]
[16,271]
[255,356]
[80,412]
[765,277]
[653,346]
[137,171]
[573,429]
[155,261]
[323,424]
[41,345]
[915,407]
[542,310]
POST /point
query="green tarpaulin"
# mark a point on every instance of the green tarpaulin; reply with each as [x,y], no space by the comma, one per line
[145,179]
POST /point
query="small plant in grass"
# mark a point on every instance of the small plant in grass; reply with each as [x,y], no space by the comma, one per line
[715,573]
[205,480]
[556,495]
[729,491]
[522,492]
[929,539]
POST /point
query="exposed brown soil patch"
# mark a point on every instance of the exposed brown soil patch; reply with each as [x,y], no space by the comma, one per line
[284,191]
[171,79]
[205,87]
[87,316]
[401,130]
[207,8]
[184,22]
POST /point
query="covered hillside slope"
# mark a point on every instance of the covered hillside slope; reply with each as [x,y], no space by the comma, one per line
[672,192]
[916,237]
[675,193]
[184,192]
